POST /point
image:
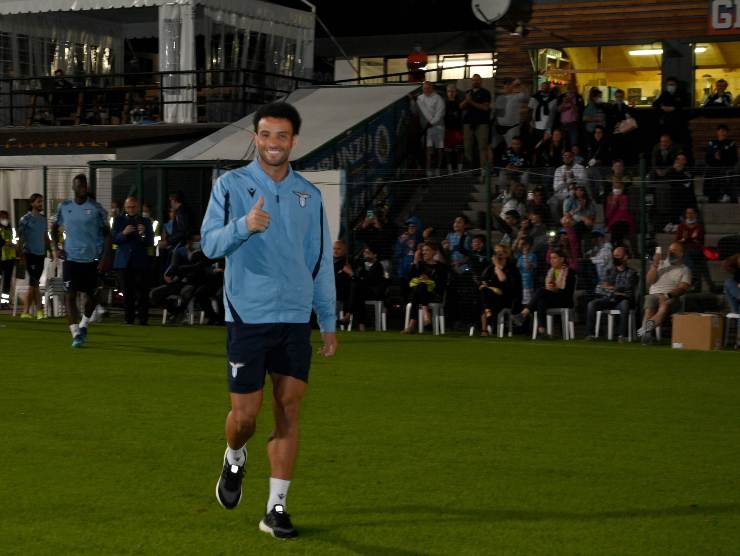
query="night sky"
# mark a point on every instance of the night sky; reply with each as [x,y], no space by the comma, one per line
[382,17]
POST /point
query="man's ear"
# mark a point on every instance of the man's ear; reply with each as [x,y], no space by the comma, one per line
[294,142]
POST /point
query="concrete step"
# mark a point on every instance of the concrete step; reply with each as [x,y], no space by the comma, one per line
[721,213]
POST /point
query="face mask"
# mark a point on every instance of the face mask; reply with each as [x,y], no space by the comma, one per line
[691,221]
[616,261]
[145,214]
[671,89]
[4,222]
[673,259]
[617,191]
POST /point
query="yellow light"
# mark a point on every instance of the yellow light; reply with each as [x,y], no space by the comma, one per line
[659,51]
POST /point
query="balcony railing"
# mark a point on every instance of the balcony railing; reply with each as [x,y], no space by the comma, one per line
[142,97]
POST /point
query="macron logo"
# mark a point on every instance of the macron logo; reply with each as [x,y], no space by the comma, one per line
[235,368]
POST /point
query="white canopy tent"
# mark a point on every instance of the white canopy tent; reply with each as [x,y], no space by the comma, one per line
[273,38]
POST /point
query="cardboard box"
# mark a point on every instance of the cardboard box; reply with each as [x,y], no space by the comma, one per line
[697,331]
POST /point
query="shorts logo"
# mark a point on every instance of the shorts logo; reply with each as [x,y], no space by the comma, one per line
[302,198]
[235,368]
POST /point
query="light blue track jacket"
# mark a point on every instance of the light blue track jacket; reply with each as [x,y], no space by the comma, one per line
[279,275]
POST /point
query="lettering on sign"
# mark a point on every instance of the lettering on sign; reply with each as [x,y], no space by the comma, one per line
[724,17]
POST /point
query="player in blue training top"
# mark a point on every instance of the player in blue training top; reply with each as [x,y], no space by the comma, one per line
[269,223]
[87,247]
[33,233]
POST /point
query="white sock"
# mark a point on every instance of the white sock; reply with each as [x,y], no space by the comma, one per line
[278,493]
[236,457]
[84,321]
[74,329]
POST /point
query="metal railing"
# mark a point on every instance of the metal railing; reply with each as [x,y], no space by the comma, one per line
[217,95]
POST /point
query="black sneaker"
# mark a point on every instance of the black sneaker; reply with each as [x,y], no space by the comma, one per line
[277,523]
[229,486]
[517,319]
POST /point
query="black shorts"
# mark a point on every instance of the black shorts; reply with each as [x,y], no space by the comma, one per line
[34,268]
[80,277]
[256,349]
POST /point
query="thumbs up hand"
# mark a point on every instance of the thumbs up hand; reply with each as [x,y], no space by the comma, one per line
[258,220]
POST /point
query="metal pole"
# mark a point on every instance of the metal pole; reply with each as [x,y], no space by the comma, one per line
[346,209]
[489,220]
[642,244]
[139,181]
[93,179]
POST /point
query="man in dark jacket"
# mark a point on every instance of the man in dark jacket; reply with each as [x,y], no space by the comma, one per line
[133,235]
[721,157]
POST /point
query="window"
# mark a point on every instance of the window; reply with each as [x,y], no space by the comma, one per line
[370,67]
[714,61]
[6,55]
[634,68]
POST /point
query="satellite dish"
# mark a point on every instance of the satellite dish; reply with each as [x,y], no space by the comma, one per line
[489,11]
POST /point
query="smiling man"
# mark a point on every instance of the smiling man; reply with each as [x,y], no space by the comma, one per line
[269,224]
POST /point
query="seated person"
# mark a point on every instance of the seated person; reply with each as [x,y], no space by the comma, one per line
[477,259]
[457,238]
[579,212]
[526,262]
[514,161]
[342,275]
[663,156]
[721,157]
[560,285]
[500,286]
[368,284]
[405,248]
[619,220]
[509,225]
[601,254]
[732,284]
[616,291]
[427,284]
[667,281]
[566,178]
[514,199]
[720,98]
[536,203]
[690,234]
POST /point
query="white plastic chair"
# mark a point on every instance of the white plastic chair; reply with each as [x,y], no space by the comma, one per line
[611,315]
[566,321]
[380,314]
[438,318]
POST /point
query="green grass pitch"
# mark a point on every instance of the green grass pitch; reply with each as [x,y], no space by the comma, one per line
[411,445]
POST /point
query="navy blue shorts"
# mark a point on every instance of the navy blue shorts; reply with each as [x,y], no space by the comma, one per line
[80,277]
[34,268]
[257,349]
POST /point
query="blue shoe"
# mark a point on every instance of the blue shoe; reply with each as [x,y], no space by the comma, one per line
[83,334]
[78,341]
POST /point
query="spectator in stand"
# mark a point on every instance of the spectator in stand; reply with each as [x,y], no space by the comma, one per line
[681,187]
[669,108]
[622,135]
[595,112]
[133,236]
[457,242]
[543,108]
[579,211]
[570,110]
[690,234]
[514,162]
[668,280]
[476,107]
[601,254]
[721,155]
[720,98]
[405,248]
[619,178]
[616,291]
[536,203]
[508,110]
[565,180]
[500,287]
[664,155]
[427,284]
[342,278]
[431,109]
[619,220]
[370,231]
[732,284]
[549,153]
[8,255]
[368,283]
[560,285]
[508,224]
[515,199]
[477,259]
[526,262]
[181,226]
[536,231]
[578,155]
[453,130]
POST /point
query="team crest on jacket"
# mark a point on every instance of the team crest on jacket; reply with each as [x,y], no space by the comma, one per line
[302,197]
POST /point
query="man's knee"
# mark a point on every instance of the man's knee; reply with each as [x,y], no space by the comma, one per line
[651,302]
[244,419]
